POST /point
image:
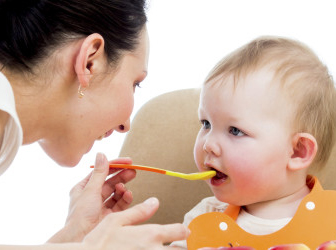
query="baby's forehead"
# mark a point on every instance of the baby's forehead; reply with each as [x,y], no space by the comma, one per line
[260,86]
[239,79]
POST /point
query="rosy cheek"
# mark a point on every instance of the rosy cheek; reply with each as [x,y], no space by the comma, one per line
[241,172]
[242,163]
[236,165]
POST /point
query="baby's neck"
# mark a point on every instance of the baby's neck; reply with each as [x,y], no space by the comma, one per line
[284,207]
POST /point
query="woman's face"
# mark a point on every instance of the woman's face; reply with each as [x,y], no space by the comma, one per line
[105,107]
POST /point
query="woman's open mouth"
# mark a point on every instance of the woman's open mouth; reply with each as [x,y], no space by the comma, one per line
[219,178]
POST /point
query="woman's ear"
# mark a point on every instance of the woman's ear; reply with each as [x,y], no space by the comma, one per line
[89,57]
[304,151]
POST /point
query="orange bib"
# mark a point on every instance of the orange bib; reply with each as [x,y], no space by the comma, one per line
[313,224]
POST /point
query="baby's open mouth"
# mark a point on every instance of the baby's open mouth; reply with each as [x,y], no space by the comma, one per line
[219,178]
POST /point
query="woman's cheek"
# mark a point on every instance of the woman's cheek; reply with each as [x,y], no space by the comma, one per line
[125,109]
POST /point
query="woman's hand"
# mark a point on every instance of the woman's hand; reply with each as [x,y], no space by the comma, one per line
[94,198]
[118,230]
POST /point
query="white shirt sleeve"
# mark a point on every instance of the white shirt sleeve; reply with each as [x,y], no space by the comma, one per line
[13,135]
[209,204]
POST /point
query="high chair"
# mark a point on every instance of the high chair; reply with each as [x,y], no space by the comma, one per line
[162,135]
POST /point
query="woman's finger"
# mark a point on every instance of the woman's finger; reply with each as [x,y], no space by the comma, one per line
[172,232]
[118,193]
[121,160]
[121,204]
[122,177]
[145,210]
[137,214]
[120,189]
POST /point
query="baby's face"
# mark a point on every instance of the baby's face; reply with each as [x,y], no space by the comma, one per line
[246,138]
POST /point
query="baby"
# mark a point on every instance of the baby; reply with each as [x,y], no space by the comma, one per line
[268,115]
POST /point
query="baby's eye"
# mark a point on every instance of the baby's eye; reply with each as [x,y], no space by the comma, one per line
[206,124]
[235,131]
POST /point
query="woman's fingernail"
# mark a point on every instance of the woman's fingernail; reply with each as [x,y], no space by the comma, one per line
[151,201]
[99,159]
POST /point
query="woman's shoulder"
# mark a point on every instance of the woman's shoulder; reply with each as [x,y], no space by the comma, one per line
[3,122]
[10,127]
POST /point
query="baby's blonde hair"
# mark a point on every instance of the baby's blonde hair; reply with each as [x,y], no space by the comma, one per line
[305,81]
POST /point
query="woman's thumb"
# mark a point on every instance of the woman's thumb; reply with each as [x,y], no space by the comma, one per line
[100,171]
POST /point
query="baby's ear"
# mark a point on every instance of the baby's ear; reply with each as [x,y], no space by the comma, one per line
[304,151]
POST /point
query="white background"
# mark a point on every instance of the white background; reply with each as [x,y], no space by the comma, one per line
[187,39]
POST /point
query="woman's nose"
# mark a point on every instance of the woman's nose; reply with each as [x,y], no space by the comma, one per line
[122,128]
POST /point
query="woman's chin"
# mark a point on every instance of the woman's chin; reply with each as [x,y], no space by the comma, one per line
[63,159]
[69,157]
[67,161]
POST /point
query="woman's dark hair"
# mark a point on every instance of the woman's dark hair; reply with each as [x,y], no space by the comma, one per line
[29,29]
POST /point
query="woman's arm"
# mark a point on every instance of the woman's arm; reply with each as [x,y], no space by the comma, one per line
[96,222]
[118,231]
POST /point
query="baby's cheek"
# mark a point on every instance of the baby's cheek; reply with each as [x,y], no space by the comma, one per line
[198,154]
[240,166]
[243,175]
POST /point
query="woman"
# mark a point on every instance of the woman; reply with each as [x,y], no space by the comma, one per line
[72,68]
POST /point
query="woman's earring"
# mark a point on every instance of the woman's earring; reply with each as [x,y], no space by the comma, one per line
[80,92]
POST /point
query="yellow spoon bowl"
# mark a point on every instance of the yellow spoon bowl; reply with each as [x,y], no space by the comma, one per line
[193,176]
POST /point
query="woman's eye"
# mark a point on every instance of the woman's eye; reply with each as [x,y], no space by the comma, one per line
[205,124]
[236,132]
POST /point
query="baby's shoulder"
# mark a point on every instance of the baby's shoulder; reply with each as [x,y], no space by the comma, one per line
[212,204]
[207,205]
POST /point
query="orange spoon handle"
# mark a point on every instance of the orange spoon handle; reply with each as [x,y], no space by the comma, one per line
[139,167]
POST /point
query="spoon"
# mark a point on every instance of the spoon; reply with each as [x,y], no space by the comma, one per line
[193,176]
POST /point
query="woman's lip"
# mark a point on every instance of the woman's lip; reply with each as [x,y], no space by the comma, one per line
[108,133]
